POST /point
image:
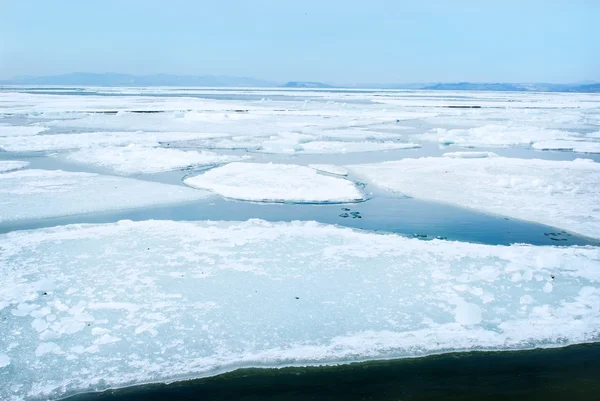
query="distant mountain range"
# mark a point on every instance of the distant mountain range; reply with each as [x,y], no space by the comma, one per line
[115,79]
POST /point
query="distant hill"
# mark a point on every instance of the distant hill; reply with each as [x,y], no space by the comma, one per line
[301,84]
[115,79]
[509,87]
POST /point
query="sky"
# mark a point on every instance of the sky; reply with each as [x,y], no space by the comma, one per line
[334,41]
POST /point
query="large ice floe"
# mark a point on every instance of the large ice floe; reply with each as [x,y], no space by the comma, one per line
[562,194]
[16,130]
[11,165]
[88,307]
[272,182]
[95,139]
[503,135]
[33,194]
[134,159]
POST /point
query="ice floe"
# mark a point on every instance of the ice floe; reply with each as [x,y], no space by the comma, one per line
[330,169]
[348,147]
[94,139]
[34,194]
[90,307]
[271,182]
[575,146]
[493,135]
[11,165]
[469,155]
[134,159]
[16,130]
[562,194]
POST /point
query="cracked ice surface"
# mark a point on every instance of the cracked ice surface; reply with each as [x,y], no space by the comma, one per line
[137,159]
[272,182]
[10,165]
[12,130]
[33,194]
[93,139]
[87,307]
[562,194]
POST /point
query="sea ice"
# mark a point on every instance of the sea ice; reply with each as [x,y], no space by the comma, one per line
[493,135]
[271,182]
[562,194]
[11,165]
[137,302]
[34,194]
[469,155]
[349,147]
[330,169]
[575,146]
[95,139]
[12,130]
[134,159]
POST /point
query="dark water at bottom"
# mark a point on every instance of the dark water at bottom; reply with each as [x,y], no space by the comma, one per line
[571,373]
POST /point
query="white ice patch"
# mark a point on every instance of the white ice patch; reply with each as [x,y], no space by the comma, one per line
[318,147]
[330,169]
[557,193]
[493,135]
[17,130]
[11,165]
[134,159]
[95,139]
[269,182]
[191,299]
[575,146]
[33,194]
[469,155]
[4,360]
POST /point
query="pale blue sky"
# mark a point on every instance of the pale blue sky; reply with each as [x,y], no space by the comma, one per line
[335,41]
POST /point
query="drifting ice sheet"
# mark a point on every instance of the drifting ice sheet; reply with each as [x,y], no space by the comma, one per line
[94,139]
[34,194]
[10,165]
[469,155]
[275,183]
[330,169]
[318,147]
[97,306]
[575,146]
[136,159]
[557,193]
[12,130]
[494,135]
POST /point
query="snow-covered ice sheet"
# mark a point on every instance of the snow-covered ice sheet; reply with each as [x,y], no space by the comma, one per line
[94,139]
[16,130]
[138,159]
[469,155]
[562,194]
[34,194]
[575,146]
[318,147]
[10,165]
[97,306]
[493,135]
[271,182]
[330,169]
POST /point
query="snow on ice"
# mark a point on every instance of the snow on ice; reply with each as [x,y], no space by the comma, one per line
[562,194]
[134,159]
[89,307]
[271,182]
[34,194]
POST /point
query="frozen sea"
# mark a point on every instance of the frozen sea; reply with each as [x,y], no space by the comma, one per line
[153,235]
